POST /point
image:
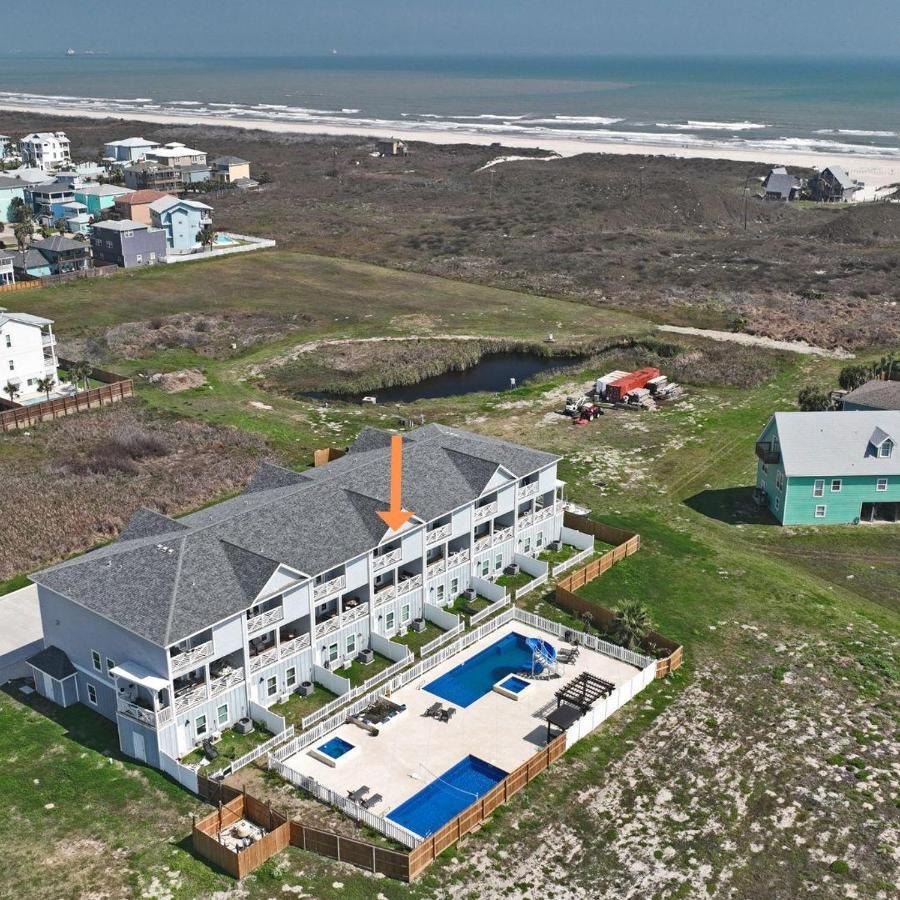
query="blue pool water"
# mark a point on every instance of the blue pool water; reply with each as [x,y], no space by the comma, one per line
[447,796]
[515,684]
[335,748]
[476,676]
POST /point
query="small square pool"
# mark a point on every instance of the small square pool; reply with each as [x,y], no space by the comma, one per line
[511,687]
[331,751]
[447,796]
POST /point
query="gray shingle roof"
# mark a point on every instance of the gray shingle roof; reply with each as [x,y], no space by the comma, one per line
[834,444]
[53,661]
[167,585]
[781,183]
[58,244]
[876,395]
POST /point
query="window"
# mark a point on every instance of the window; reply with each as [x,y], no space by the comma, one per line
[271,686]
[109,244]
[526,545]
[819,487]
[95,659]
[9,340]
[128,234]
[820,511]
[290,677]
[539,539]
[454,587]
[351,644]
[110,665]
[222,714]
[779,480]
[485,568]
[389,621]
[12,366]
[92,695]
[405,613]
[138,258]
[498,562]
[152,257]
[439,593]
[882,485]
[835,485]
[884,451]
[200,726]
[332,652]
[777,502]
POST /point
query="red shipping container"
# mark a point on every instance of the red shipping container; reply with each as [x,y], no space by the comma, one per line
[618,389]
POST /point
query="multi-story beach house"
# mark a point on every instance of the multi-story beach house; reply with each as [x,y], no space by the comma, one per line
[7,270]
[176,154]
[47,198]
[54,255]
[127,244]
[27,351]
[45,150]
[230,168]
[182,220]
[128,150]
[153,176]
[99,197]
[830,468]
[181,627]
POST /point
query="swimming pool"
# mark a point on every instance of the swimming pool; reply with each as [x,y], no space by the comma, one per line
[447,796]
[477,676]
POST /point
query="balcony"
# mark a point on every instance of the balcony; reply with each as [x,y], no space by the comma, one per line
[227,678]
[294,645]
[380,563]
[486,511]
[482,543]
[383,594]
[151,718]
[526,519]
[437,566]
[354,613]
[548,512]
[261,620]
[48,340]
[263,659]
[528,490]
[457,559]
[190,696]
[409,584]
[184,660]
[436,535]
[329,626]
[329,587]
[767,452]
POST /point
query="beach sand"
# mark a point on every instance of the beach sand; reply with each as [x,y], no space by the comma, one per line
[875,172]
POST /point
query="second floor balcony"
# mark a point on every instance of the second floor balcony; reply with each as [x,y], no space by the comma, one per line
[191,653]
[439,534]
[768,452]
[263,617]
[389,558]
[485,511]
[329,586]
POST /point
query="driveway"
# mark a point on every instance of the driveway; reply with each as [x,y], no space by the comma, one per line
[21,632]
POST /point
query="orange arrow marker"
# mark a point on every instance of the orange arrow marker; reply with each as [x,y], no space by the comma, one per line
[396,517]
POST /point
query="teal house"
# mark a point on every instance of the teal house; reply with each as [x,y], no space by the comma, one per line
[10,189]
[99,197]
[830,468]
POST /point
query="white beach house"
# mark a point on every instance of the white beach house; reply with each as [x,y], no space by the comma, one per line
[27,352]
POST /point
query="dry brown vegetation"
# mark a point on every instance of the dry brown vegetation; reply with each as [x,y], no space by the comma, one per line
[659,235]
[77,481]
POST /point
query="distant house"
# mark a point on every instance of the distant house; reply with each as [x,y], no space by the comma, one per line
[781,185]
[76,217]
[10,189]
[127,244]
[176,154]
[6,143]
[128,150]
[153,176]
[99,197]
[45,150]
[830,468]
[833,185]
[391,147]
[136,205]
[52,256]
[182,221]
[228,169]
[196,174]
[46,199]
[7,270]
[27,352]
[873,395]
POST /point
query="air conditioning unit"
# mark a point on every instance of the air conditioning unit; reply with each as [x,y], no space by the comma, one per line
[471,593]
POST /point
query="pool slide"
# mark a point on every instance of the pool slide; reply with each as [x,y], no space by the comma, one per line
[544,652]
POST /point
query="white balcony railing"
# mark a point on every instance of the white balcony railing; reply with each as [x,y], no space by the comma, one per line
[188,659]
[543,514]
[456,559]
[526,520]
[267,657]
[528,490]
[410,584]
[329,587]
[357,612]
[48,340]
[482,543]
[382,595]
[154,719]
[225,682]
[191,697]
[379,563]
[436,535]
[295,645]
[438,567]
[502,534]
[269,617]
[328,626]
[486,511]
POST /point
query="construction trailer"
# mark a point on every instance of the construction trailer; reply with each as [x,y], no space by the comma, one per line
[616,390]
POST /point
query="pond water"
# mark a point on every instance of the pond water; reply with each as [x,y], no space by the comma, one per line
[492,373]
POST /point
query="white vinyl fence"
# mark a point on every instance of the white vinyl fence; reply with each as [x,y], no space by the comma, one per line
[182,774]
[389,829]
[581,556]
[255,753]
[391,649]
[532,585]
[442,639]
[490,610]
[440,617]
[493,592]
[273,722]
[335,683]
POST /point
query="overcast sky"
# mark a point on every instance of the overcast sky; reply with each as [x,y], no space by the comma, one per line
[409,27]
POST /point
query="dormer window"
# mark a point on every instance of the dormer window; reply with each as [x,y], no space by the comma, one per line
[885,450]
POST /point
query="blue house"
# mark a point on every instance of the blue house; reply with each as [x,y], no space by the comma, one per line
[10,189]
[182,220]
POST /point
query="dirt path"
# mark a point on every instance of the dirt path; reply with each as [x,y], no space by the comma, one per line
[754,340]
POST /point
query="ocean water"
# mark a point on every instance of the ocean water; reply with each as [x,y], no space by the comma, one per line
[845,106]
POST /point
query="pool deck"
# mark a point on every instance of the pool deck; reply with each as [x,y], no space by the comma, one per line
[413,750]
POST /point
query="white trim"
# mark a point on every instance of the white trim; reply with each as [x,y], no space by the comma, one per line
[818,487]
[97,676]
[840,484]
[881,485]
[91,689]
[823,513]
[97,661]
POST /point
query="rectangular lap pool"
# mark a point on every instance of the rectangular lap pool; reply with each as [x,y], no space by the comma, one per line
[477,676]
[447,796]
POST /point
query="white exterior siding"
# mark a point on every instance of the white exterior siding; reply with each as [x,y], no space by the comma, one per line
[22,356]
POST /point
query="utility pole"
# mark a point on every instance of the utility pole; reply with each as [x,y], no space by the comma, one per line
[746,189]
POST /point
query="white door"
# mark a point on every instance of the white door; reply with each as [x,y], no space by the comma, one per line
[48,686]
[140,750]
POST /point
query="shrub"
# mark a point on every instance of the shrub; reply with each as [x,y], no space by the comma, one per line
[631,624]
[811,399]
[852,377]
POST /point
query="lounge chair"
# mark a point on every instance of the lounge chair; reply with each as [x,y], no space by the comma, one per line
[446,714]
[434,711]
[372,801]
[358,794]
[209,751]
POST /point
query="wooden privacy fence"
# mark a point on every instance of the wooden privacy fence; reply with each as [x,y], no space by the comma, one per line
[626,543]
[35,413]
[403,865]
[19,286]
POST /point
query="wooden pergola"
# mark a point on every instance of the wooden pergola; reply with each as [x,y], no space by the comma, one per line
[583,691]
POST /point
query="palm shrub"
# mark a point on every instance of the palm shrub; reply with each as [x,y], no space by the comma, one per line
[46,385]
[631,624]
[12,390]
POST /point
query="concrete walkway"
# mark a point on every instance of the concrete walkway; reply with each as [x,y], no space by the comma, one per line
[21,632]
